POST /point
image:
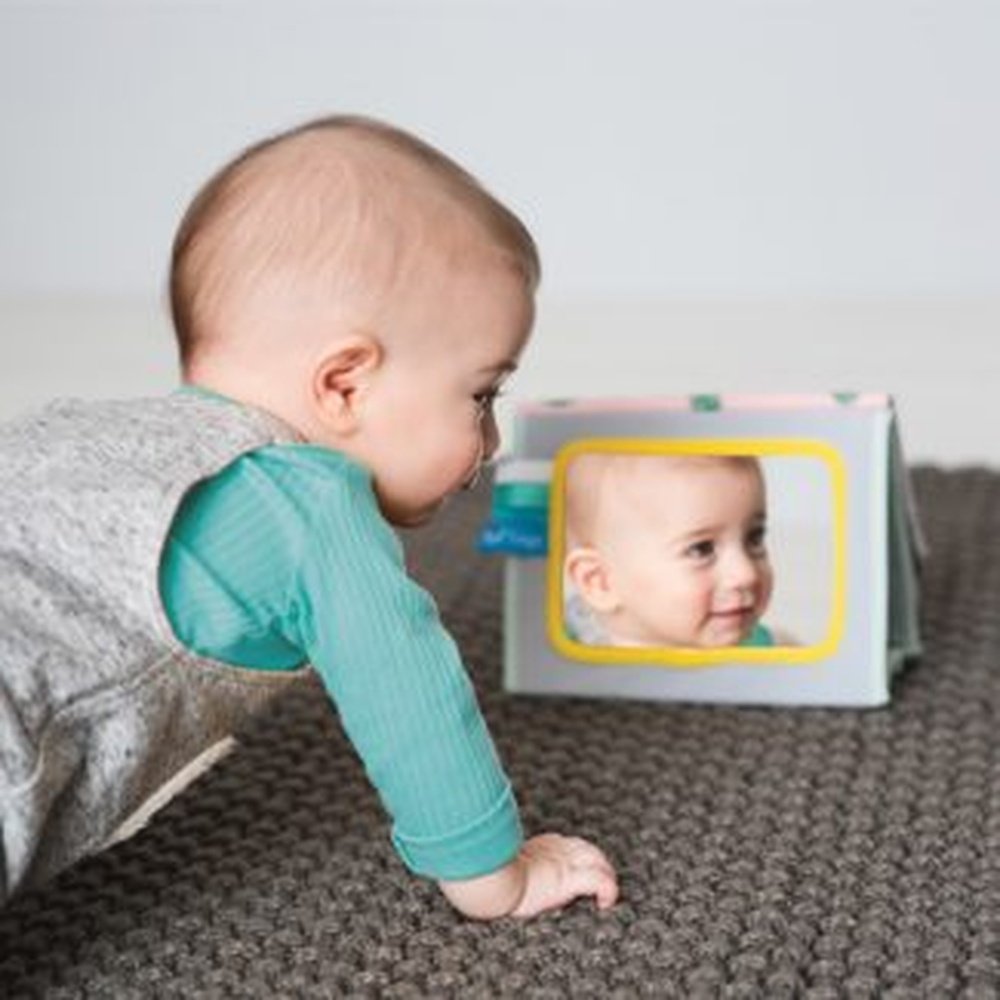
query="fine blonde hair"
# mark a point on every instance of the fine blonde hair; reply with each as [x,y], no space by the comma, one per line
[341,202]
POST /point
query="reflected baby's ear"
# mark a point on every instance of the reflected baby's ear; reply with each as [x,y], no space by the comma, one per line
[340,378]
[585,569]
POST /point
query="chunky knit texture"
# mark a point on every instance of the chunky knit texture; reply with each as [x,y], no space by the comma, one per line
[763,853]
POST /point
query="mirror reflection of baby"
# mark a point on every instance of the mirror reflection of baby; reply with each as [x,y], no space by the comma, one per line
[667,551]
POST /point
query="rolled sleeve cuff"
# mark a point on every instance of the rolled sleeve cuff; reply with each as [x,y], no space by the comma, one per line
[481,847]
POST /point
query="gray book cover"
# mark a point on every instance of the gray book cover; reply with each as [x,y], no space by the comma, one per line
[730,549]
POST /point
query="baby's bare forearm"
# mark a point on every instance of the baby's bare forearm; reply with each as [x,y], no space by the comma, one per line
[549,872]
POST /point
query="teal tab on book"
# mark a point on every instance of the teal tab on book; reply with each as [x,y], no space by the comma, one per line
[519,521]
[706,402]
[525,535]
[509,498]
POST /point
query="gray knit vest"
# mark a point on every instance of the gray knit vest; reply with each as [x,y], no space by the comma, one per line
[100,706]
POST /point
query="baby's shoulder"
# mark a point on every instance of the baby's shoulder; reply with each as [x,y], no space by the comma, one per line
[308,481]
[312,466]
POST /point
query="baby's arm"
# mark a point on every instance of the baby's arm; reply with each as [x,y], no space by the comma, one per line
[408,707]
[334,589]
[549,872]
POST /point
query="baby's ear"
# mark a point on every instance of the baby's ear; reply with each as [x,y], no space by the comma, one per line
[585,569]
[340,379]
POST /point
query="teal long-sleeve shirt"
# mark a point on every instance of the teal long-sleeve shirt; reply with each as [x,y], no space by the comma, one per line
[284,558]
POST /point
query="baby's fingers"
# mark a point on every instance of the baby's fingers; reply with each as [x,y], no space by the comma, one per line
[560,869]
[583,881]
[595,877]
[606,891]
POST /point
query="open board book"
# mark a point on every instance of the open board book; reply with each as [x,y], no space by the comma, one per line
[750,549]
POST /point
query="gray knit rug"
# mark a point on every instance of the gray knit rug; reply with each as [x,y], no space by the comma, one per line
[763,853]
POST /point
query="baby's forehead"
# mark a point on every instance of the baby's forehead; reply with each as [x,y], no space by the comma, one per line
[641,469]
[671,487]
[595,475]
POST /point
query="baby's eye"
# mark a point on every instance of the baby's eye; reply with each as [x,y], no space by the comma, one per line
[484,400]
[704,549]
[757,540]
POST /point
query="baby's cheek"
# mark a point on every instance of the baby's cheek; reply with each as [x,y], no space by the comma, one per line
[709,599]
[766,585]
[648,575]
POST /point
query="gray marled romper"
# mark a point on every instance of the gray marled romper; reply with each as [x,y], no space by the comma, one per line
[100,707]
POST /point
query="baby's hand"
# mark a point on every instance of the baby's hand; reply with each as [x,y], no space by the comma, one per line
[549,872]
[559,869]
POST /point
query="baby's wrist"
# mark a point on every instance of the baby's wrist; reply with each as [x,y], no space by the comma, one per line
[491,896]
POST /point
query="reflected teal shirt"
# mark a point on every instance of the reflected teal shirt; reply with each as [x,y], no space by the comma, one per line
[761,635]
[285,558]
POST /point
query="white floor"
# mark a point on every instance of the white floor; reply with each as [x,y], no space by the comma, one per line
[940,358]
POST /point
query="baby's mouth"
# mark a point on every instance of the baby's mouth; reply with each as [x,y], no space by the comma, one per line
[734,614]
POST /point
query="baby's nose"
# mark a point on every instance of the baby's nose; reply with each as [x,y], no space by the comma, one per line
[740,571]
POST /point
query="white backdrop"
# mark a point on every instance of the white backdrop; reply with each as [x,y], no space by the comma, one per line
[733,194]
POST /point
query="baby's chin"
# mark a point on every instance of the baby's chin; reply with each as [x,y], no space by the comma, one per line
[411,517]
[709,637]
[403,515]
[718,636]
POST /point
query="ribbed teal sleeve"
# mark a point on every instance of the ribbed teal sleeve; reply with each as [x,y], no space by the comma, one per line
[284,557]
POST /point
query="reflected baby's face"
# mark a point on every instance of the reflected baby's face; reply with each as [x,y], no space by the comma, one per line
[678,555]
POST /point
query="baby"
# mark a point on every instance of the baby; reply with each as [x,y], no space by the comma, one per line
[667,551]
[347,302]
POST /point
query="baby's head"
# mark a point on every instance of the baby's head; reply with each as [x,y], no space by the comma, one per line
[356,282]
[668,550]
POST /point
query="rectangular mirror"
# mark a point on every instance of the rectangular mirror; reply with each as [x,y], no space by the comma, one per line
[677,551]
